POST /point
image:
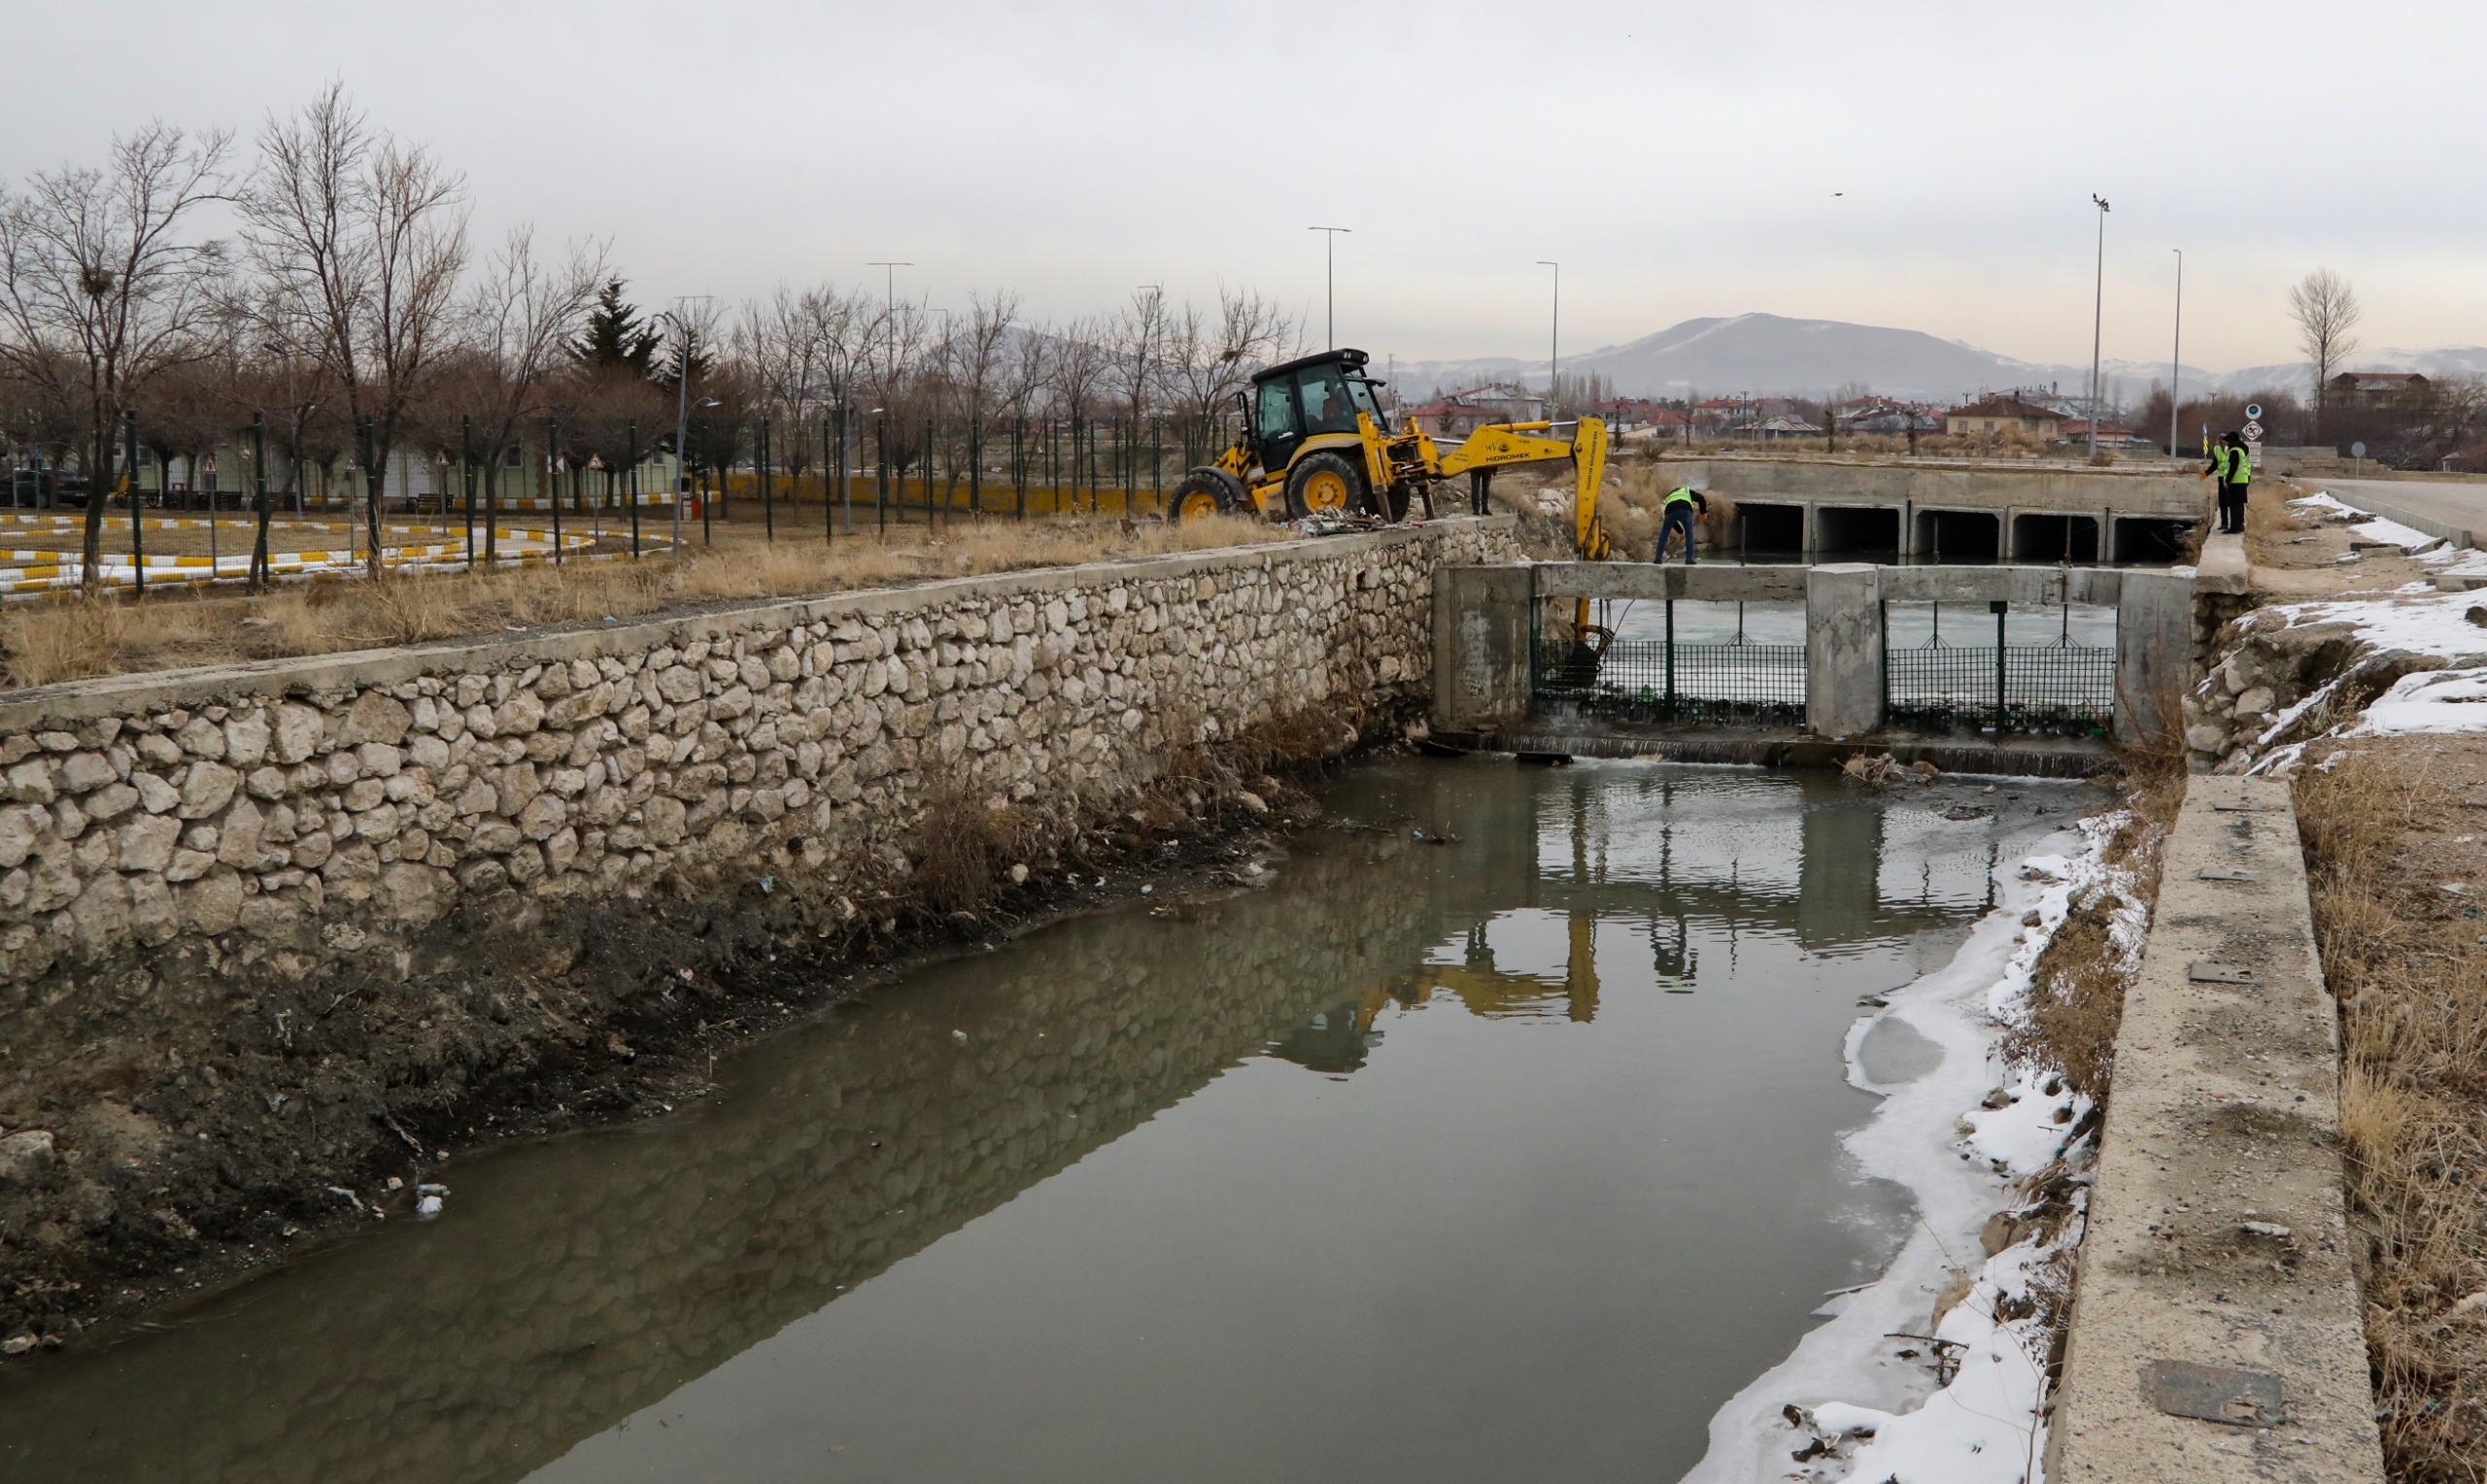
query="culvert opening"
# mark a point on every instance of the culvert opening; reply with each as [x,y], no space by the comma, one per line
[1959,535]
[1771,530]
[1850,529]
[2055,538]
[2149,539]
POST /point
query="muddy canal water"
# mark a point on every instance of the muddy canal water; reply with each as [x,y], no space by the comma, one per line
[1505,1158]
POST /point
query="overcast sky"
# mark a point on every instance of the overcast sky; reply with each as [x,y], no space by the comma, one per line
[1679,159]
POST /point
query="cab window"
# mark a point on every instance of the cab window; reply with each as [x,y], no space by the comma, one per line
[1326,407]
[1277,417]
[1360,393]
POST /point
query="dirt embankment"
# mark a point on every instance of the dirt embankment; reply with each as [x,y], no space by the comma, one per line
[206,1122]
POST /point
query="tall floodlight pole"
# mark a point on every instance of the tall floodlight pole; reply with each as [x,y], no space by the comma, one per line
[1553,335]
[890,312]
[2176,357]
[2098,314]
[1330,274]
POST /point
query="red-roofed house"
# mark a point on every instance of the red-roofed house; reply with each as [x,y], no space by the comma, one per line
[2003,415]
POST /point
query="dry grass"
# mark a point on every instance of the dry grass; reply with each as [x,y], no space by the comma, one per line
[2403,960]
[44,643]
[2077,988]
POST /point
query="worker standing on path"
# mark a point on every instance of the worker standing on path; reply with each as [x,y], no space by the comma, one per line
[2234,471]
[1681,503]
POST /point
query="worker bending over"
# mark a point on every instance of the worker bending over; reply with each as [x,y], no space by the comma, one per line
[1681,503]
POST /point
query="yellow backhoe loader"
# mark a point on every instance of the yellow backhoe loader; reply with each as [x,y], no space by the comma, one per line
[1316,442]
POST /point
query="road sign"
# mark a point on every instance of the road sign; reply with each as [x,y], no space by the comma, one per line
[2356,451]
[2253,411]
[2253,432]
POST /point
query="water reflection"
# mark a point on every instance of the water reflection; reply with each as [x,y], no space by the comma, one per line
[930,1237]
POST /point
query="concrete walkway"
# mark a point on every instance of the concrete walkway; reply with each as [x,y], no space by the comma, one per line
[2216,1332]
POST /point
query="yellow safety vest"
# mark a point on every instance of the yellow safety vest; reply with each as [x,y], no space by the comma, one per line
[1681,495]
[2240,469]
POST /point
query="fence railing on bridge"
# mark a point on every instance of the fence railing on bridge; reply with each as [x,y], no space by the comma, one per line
[1509,649]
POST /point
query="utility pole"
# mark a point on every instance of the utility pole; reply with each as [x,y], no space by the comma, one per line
[2176,357]
[1330,274]
[2097,317]
[1554,336]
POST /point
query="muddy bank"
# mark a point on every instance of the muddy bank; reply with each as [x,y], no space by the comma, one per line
[223,1115]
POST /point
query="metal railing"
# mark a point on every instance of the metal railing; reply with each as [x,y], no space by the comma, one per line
[2062,686]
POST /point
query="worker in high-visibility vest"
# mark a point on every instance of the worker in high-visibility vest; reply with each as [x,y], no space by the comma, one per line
[1681,505]
[2234,471]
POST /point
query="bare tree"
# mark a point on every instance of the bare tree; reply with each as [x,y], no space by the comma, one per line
[1136,337]
[101,289]
[2326,310]
[1207,364]
[359,240]
[518,325]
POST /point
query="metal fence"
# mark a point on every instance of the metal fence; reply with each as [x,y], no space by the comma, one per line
[1661,680]
[2059,688]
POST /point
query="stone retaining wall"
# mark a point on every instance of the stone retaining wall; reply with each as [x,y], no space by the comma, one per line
[296,803]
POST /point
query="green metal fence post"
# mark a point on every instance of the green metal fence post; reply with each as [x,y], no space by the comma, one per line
[1671,701]
[553,480]
[768,486]
[1998,605]
[633,493]
[130,468]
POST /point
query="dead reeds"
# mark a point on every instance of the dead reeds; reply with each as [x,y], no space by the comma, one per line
[2402,958]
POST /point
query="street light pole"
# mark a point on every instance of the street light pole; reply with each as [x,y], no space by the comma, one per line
[2098,314]
[1330,275]
[890,313]
[1554,336]
[2176,357]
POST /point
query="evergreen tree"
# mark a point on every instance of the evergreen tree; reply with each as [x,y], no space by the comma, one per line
[617,339]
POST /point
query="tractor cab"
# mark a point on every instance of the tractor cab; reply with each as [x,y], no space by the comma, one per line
[1309,398]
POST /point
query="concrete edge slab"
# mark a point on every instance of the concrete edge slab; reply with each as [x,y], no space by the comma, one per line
[2217,1329]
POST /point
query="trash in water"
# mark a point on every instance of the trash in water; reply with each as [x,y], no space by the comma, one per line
[339,1190]
[958,1037]
[768,884]
[427,1201]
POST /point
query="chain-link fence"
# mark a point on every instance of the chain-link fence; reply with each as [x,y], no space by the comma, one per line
[1665,680]
[2062,686]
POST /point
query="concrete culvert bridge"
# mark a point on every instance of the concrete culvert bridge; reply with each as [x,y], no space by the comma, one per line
[2042,537]
[1772,531]
[1959,535]
[1857,530]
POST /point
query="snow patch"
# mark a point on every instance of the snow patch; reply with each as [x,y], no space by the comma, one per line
[1974,1417]
[2431,700]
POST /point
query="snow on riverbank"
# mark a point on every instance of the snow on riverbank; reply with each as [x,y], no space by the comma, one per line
[1854,1403]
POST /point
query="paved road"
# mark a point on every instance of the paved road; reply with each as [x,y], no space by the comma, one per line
[2462,504]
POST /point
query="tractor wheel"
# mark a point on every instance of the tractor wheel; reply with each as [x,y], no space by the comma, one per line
[1324,485]
[1205,493]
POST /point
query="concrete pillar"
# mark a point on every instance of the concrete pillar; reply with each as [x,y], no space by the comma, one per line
[2153,654]
[1843,648]
[1481,646]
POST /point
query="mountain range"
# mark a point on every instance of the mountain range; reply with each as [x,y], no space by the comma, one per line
[1770,354]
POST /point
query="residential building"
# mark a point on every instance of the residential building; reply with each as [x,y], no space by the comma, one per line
[2003,415]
